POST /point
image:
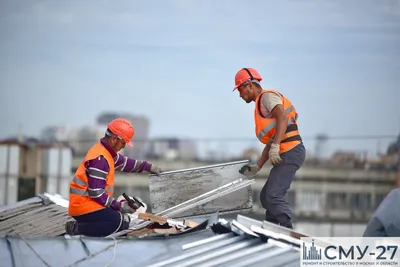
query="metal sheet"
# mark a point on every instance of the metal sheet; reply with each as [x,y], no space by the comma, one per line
[205,249]
[206,198]
[235,250]
[282,230]
[175,187]
[191,203]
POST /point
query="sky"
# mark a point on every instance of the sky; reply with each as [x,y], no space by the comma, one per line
[64,62]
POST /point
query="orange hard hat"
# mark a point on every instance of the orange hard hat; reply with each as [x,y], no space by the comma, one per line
[123,129]
[244,75]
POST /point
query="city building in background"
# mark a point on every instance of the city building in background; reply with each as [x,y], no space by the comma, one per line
[81,139]
[173,148]
[85,138]
[253,154]
[58,134]
[30,168]
[321,204]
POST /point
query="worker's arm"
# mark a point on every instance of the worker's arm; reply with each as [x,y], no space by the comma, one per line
[264,156]
[126,164]
[97,170]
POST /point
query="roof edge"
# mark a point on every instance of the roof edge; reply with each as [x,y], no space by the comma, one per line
[57,199]
[45,199]
[35,199]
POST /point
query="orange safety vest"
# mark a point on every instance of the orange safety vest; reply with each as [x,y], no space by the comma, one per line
[266,127]
[79,200]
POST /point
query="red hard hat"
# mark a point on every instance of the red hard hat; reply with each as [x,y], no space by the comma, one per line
[244,75]
[123,129]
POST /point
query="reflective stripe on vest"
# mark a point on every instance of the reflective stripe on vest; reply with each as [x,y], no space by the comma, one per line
[266,127]
[92,193]
[82,200]
[270,126]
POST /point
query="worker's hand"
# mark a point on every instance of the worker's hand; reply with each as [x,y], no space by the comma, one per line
[155,170]
[249,170]
[125,208]
[274,154]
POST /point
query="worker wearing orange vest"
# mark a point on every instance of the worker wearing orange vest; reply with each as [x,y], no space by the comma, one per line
[91,201]
[275,126]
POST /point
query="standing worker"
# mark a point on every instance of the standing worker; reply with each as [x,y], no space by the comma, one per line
[276,126]
[91,201]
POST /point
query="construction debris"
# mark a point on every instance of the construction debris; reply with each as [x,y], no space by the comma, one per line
[149,231]
[160,226]
[183,224]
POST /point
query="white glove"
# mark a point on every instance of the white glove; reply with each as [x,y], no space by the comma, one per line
[249,170]
[155,170]
[274,154]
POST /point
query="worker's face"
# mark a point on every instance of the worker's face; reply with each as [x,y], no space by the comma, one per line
[246,92]
[117,143]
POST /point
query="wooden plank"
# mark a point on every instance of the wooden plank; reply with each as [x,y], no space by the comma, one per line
[175,187]
[164,220]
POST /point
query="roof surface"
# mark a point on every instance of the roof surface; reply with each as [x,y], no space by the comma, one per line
[84,251]
[30,236]
[37,216]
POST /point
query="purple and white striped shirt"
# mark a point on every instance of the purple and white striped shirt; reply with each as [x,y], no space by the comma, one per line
[98,168]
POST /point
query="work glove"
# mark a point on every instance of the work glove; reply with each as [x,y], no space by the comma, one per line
[249,170]
[155,170]
[274,154]
[125,208]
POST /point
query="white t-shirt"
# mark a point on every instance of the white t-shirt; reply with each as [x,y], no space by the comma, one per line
[268,102]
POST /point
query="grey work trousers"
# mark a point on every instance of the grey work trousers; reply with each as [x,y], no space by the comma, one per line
[273,194]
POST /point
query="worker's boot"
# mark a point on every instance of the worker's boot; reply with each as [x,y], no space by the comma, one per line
[270,218]
[287,225]
[285,221]
[69,227]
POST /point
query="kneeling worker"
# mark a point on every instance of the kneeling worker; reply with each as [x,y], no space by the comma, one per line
[91,201]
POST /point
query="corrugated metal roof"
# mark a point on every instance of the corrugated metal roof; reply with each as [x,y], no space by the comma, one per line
[246,244]
[37,216]
[230,250]
[242,241]
[86,251]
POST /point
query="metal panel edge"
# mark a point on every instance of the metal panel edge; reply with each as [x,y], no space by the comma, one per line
[203,167]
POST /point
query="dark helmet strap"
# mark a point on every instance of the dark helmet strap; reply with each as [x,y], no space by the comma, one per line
[251,76]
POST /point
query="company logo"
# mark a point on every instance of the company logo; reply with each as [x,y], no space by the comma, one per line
[344,251]
[311,253]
